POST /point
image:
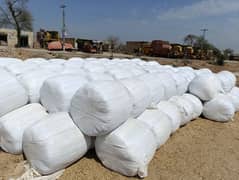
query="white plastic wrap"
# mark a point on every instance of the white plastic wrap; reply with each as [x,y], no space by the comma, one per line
[206,87]
[99,76]
[20,68]
[13,125]
[227,79]
[219,109]
[119,73]
[195,103]
[235,91]
[57,92]
[57,68]
[33,81]
[185,107]
[128,149]
[12,93]
[181,84]
[234,95]
[235,101]
[36,61]
[155,86]
[173,112]
[101,106]
[6,61]
[140,95]
[57,61]
[169,84]
[159,123]
[204,71]
[54,143]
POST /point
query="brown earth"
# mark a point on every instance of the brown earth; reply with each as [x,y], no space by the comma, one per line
[201,150]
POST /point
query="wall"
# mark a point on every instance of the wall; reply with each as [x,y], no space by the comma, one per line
[12,36]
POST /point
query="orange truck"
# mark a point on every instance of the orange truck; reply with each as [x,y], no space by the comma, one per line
[161,48]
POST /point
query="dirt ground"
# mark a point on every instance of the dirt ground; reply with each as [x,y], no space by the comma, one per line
[201,150]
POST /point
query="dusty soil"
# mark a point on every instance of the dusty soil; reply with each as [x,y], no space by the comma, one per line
[201,150]
[10,165]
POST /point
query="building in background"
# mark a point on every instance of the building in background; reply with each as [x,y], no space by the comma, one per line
[8,37]
[135,47]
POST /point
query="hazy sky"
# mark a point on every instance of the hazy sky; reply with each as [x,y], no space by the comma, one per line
[143,19]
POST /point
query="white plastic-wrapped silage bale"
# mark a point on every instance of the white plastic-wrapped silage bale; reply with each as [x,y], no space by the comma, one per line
[72,63]
[96,76]
[57,61]
[12,93]
[173,112]
[206,87]
[13,125]
[56,92]
[188,74]
[54,143]
[74,59]
[195,103]
[235,91]
[169,84]
[140,94]
[119,73]
[94,67]
[204,71]
[33,81]
[185,107]
[219,109]
[36,61]
[235,101]
[20,68]
[101,106]
[227,79]
[6,61]
[128,149]
[75,71]
[181,83]
[57,68]
[234,95]
[159,123]
[155,86]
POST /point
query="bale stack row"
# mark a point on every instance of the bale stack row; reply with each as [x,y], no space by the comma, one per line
[56,110]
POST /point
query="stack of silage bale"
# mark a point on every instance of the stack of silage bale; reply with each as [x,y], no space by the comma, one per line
[131,107]
[214,90]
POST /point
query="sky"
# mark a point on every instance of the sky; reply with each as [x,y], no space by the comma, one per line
[169,20]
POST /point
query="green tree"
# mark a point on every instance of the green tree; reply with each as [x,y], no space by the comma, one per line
[228,52]
[190,39]
[14,14]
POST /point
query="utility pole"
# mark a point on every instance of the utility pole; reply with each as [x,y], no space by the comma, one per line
[63,26]
[204,33]
[203,36]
